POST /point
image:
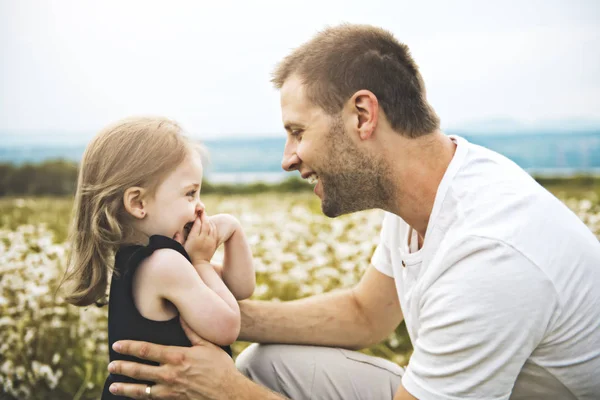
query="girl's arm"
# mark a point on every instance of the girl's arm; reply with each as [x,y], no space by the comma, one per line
[237,271]
[214,281]
[207,306]
[201,244]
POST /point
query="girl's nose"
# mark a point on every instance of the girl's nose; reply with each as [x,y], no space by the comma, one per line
[200,207]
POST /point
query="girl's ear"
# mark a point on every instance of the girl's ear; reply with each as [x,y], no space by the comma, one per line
[134,202]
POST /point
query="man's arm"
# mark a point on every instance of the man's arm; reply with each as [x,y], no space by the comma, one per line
[203,371]
[352,318]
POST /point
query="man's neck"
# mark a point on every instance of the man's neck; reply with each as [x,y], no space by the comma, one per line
[417,174]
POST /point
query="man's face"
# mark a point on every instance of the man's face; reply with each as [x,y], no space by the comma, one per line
[347,177]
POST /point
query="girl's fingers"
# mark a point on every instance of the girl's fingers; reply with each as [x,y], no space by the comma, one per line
[195,231]
[205,227]
[179,238]
[193,336]
[215,232]
[210,230]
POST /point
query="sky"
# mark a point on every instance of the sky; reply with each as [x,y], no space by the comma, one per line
[69,68]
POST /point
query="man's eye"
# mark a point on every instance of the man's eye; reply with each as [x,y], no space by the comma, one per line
[297,134]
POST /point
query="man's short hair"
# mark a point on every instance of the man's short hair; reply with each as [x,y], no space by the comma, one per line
[339,61]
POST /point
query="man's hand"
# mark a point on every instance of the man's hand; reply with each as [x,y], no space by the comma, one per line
[203,371]
[202,241]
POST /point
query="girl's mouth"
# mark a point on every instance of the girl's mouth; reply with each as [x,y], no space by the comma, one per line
[186,229]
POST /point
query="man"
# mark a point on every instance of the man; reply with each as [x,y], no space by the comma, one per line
[496,279]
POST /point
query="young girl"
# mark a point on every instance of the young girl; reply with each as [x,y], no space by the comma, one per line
[138,203]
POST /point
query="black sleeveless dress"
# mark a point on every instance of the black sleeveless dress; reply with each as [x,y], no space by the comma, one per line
[125,321]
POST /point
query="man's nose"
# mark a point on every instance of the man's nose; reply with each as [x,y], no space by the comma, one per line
[290,161]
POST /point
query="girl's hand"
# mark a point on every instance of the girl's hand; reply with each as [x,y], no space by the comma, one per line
[226,226]
[202,241]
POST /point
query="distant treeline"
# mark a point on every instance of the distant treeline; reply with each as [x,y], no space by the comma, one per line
[59,178]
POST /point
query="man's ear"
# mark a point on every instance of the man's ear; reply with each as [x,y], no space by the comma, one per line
[134,202]
[365,107]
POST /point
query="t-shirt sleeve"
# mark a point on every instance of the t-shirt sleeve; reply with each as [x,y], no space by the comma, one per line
[381,259]
[479,321]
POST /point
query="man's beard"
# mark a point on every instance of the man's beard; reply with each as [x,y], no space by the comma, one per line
[355,180]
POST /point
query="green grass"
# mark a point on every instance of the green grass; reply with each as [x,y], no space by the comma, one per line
[53,350]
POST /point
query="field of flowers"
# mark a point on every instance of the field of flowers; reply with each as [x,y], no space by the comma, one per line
[50,350]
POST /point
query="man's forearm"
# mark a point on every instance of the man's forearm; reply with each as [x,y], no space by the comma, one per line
[332,319]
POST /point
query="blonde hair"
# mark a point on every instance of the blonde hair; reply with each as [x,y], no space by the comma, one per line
[132,152]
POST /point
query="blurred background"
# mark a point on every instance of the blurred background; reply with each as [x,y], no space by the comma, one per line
[519,77]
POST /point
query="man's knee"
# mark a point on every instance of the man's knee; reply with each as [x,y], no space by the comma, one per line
[277,366]
[256,361]
[303,372]
[253,359]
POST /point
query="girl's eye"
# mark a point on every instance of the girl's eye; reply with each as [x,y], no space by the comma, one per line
[191,193]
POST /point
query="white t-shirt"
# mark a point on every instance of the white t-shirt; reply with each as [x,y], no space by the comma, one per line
[503,299]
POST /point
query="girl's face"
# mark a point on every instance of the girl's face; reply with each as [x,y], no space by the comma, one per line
[176,203]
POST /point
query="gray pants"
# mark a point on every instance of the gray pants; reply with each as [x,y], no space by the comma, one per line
[312,372]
